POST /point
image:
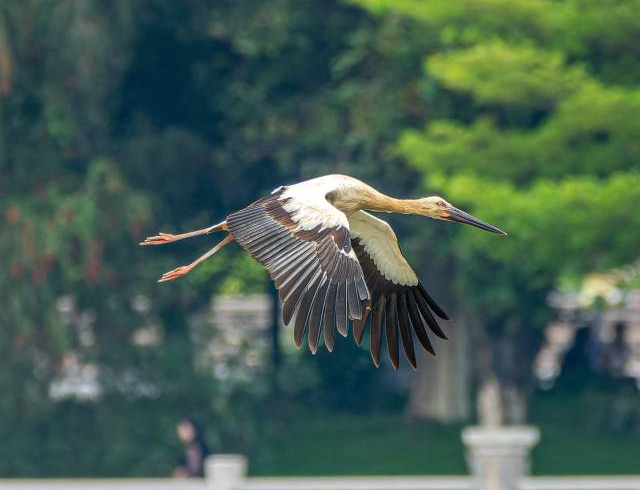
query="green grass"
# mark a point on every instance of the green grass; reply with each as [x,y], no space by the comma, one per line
[361,445]
[577,437]
[574,441]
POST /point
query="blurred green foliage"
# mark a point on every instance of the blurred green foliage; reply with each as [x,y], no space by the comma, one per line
[119,119]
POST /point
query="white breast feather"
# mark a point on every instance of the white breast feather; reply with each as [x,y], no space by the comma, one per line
[309,207]
[381,244]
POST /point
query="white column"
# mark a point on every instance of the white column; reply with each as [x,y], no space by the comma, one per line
[225,471]
[499,456]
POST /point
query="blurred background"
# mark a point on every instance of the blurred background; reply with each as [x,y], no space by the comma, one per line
[119,119]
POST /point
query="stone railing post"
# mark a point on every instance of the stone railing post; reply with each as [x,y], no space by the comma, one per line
[498,457]
[225,471]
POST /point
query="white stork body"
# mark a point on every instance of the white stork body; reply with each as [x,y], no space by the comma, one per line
[335,200]
[332,262]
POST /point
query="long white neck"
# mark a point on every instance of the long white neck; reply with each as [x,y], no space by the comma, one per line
[387,204]
[365,197]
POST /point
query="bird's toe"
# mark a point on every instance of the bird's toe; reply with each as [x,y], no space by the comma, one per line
[175,273]
[160,239]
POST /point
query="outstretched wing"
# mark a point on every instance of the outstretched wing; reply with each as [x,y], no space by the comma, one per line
[305,244]
[399,302]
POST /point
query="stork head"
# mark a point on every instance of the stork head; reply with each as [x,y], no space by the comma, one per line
[437,208]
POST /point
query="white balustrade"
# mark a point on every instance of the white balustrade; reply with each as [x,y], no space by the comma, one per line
[498,458]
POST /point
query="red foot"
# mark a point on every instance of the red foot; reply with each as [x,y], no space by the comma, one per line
[160,239]
[175,273]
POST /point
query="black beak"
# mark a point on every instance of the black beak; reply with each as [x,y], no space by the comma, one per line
[460,216]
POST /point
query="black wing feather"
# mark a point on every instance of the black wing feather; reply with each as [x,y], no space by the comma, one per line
[432,304]
[315,320]
[391,329]
[359,326]
[304,312]
[376,330]
[341,310]
[418,324]
[329,319]
[428,316]
[405,329]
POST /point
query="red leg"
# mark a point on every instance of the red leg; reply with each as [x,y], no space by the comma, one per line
[185,269]
[163,238]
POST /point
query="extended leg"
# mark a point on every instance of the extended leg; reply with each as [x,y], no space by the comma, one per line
[163,238]
[185,269]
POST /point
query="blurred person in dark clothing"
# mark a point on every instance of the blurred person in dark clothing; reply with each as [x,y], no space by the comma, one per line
[191,463]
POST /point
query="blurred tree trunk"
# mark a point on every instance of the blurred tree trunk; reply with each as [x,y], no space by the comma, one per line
[441,388]
[501,397]
[500,403]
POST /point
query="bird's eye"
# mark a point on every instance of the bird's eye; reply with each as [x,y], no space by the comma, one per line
[442,204]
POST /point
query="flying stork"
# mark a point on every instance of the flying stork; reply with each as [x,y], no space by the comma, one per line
[332,262]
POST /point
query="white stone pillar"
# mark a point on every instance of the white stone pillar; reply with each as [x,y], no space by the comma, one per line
[225,471]
[499,456]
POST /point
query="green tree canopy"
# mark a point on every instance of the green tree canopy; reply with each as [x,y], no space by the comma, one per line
[535,126]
